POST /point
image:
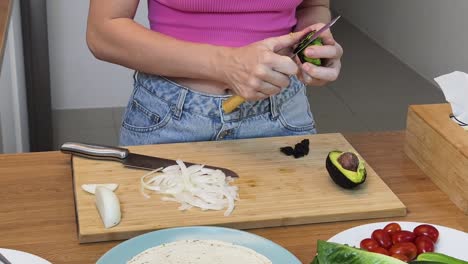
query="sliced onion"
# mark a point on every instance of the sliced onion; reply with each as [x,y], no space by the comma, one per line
[108,206]
[193,186]
[91,188]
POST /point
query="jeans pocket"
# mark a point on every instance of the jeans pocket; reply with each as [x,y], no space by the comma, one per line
[146,112]
[295,114]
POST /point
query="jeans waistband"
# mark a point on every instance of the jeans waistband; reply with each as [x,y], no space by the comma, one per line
[181,98]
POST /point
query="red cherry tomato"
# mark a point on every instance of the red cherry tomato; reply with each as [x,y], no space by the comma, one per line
[405,248]
[383,238]
[427,230]
[392,228]
[424,244]
[403,236]
[401,257]
[380,250]
[369,244]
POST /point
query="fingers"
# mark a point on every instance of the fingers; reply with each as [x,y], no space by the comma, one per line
[318,76]
[329,74]
[268,81]
[269,89]
[262,87]
[277,79]
[284,65]
[253,94]
[258,89]
[278,43]
[324,52]
[309,81]
[257,96]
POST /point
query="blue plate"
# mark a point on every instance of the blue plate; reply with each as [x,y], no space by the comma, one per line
[128,249]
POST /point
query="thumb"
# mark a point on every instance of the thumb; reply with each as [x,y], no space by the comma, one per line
[286,41]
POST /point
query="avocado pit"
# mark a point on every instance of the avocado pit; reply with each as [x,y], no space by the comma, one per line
[349,161]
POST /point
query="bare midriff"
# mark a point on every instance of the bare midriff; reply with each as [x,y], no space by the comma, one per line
[203,86]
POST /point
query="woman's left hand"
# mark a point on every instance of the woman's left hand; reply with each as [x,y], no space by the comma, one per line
[330,53]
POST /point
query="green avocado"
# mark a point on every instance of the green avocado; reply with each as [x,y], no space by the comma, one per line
[302,57]
[346,169]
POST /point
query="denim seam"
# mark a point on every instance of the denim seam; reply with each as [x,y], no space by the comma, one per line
[147,129]
[153,116]
[295,128]
[153,94]
[159,123]
[292,127]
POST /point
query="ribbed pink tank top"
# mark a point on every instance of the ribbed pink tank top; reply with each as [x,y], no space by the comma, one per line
[222,22]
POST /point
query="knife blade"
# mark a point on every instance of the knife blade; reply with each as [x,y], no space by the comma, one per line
[316,35]
[128,159]
[4,260]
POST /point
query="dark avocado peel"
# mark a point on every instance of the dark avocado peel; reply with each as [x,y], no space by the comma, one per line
[346,169]
[302,57]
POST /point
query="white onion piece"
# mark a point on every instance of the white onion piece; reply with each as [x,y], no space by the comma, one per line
[192,186]
[108,206]
[91,188]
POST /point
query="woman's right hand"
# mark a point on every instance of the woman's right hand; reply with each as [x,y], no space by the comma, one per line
[257,71]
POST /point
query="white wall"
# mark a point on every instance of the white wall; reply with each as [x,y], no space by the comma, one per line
[428,35]
[13,109]
[78,80]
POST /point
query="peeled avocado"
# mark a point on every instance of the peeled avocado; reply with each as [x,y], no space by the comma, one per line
[302,57]
[346,169]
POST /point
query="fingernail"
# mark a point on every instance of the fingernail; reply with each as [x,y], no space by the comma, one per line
[306,66]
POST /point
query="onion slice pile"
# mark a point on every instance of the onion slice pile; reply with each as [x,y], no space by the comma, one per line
[193,186]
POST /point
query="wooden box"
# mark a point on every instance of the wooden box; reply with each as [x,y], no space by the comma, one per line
[440,148]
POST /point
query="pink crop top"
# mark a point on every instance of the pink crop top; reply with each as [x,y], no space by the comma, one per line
[222,22]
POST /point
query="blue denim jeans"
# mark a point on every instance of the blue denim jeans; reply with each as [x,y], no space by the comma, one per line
[162,111]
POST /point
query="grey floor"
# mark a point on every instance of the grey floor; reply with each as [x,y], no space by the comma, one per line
[372,94]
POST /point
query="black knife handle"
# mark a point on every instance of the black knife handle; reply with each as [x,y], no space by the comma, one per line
[95,151]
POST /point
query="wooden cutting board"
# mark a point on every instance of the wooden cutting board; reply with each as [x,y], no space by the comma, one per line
[275,190]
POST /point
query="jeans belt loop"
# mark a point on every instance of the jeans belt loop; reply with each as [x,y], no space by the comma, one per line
[177,109]
[274,108]
[135,77]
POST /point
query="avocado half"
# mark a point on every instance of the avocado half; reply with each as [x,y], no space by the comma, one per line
[302,57]
[346,169]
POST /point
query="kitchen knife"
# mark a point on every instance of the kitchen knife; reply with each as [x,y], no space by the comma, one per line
[234,101]
[127,158]
[4,260]
[315,36]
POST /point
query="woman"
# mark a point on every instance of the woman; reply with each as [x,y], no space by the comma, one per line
[200,52]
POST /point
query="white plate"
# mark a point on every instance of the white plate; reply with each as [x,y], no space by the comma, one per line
[19,257]
[451,242]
